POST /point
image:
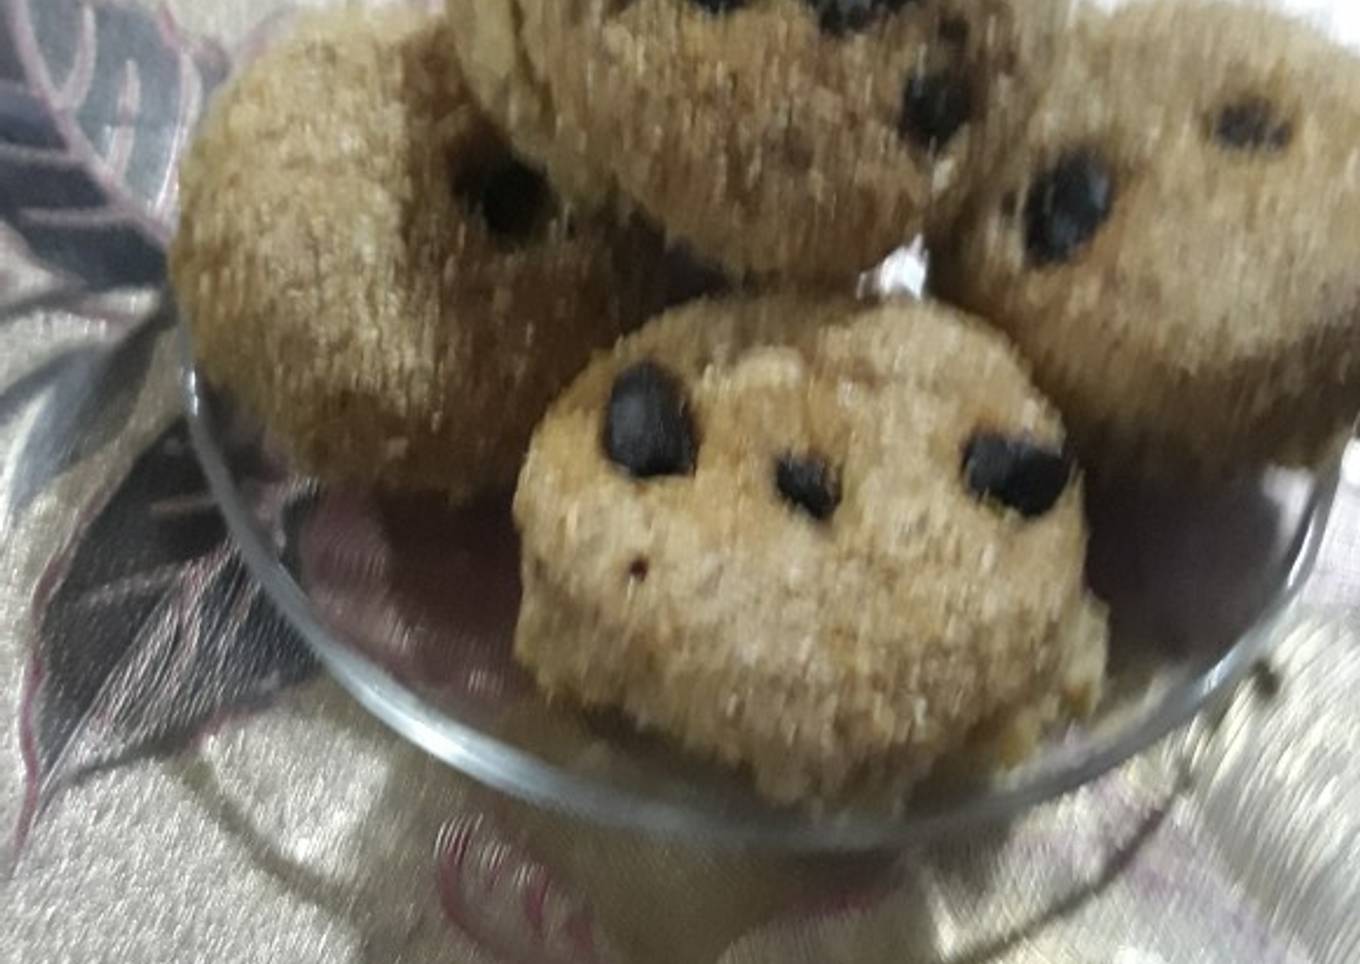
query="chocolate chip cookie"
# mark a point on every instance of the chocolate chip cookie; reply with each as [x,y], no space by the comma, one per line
[1173,241]
[825,541]
[367,265]
[801,138]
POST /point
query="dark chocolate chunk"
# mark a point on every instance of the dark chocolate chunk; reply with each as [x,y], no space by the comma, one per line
[513,200]
[934,107]
[1066,206]
[836,17]
[719,6]
[1252,125]
[1016,472]
[844,16]
[808,483]
[954,30]
[647,429]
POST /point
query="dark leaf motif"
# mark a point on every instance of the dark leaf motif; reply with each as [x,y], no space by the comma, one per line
[96,103]
[91,398]
[18,393]
[148,630]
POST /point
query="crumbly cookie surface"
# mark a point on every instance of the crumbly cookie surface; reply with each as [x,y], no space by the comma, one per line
[824,541]
[777,136]
[509,87]
[1173,242]
[367,266]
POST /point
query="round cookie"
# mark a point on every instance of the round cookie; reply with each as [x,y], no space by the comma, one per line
[799,138]
[367,266]
[1173,242]
[828,542]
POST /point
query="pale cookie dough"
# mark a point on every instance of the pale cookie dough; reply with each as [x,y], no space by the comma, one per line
[366,266]
[785,137]
[827,542]
[1173,243]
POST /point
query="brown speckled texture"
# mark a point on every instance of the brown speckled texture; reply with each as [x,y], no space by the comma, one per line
[822,654]
[1213,322]
[761,140]
[492,61]
[339,286]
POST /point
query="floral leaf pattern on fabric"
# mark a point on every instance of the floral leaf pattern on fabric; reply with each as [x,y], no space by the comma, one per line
[147,630]
[508,902]
[92,396]
[98,101]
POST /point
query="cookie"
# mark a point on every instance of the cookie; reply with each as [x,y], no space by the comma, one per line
[491,61]
[368,267]
[827,542]
[1173,242]
[799,138]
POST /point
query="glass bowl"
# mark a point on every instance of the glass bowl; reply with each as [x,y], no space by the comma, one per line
[411,604]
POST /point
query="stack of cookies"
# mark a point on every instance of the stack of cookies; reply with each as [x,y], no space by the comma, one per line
[829,540]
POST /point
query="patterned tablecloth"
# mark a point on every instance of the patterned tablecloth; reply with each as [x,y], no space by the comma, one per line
[178,782]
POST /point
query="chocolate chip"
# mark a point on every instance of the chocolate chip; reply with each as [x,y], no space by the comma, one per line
[954,30]
[934,107]
[808,483]
[513,200]
[1252,125]
[1016,472]
[838,17]
[843,16]
[647,429]
[1066,205]
[719,6]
